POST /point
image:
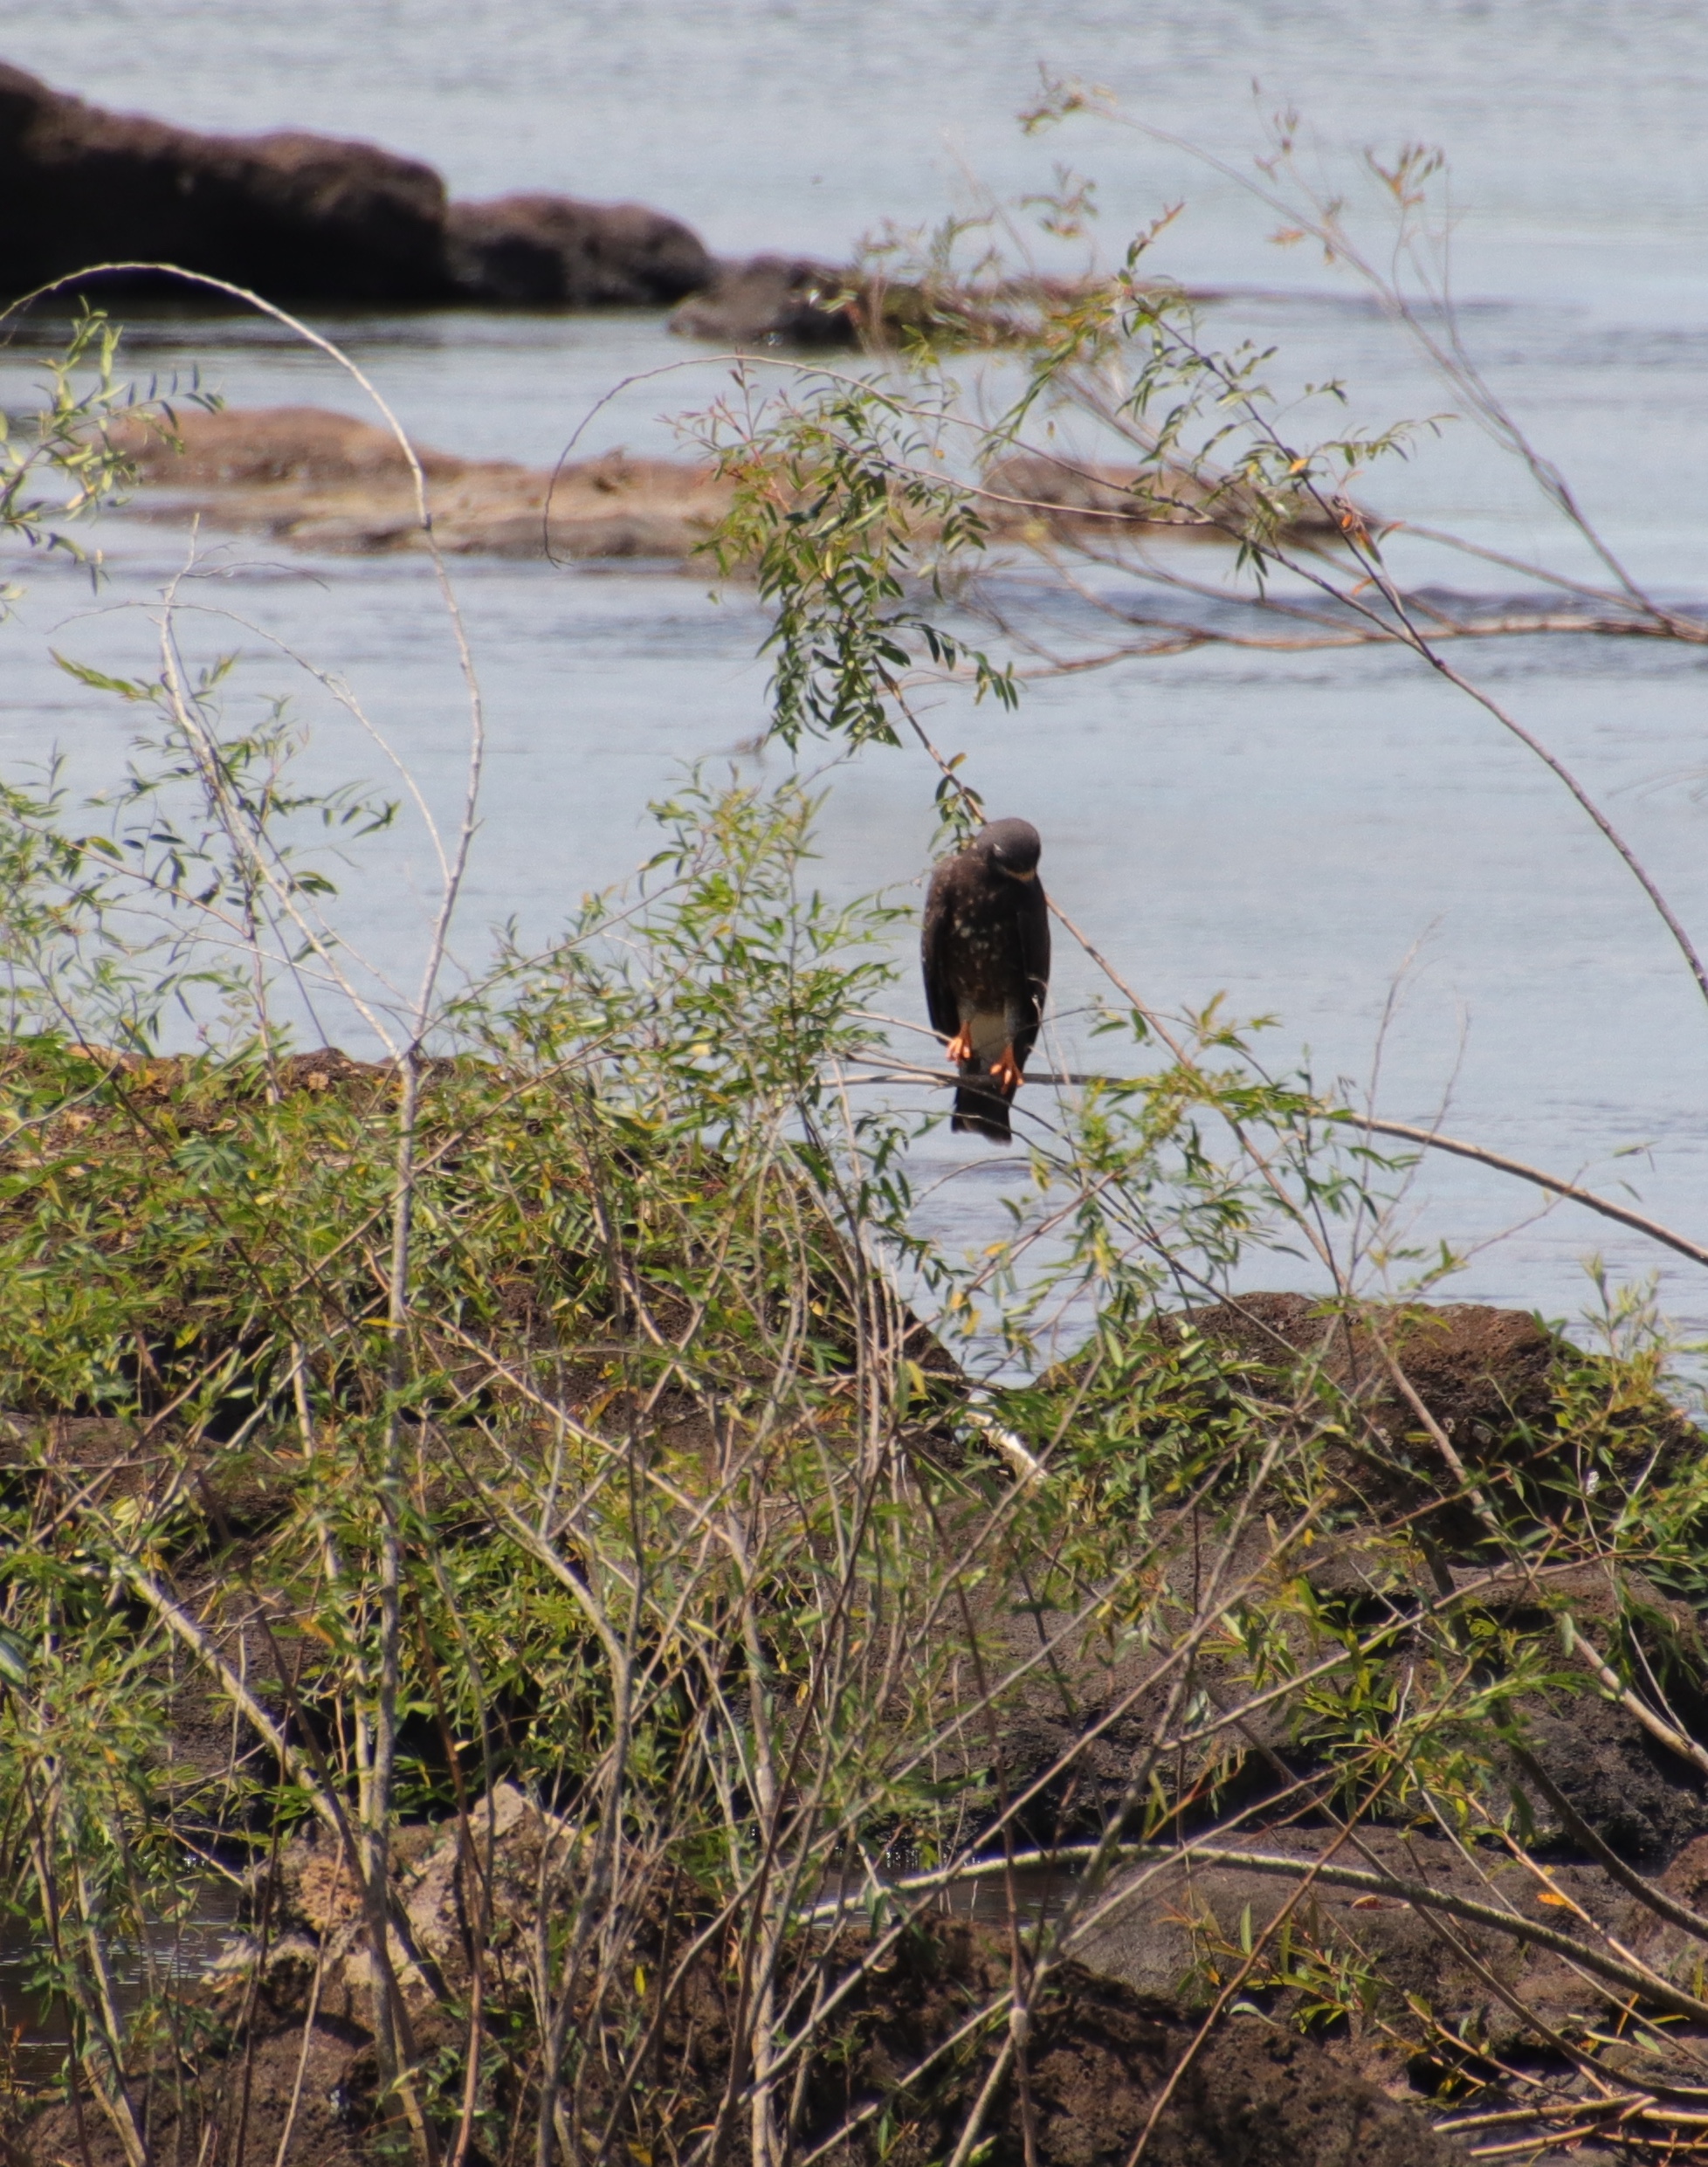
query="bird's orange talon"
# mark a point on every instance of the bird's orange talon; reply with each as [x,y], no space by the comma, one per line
[1005,1072]
[959,1049]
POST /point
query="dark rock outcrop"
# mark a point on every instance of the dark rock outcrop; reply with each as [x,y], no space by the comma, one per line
[1640,1798]
[1515,1401]
[1486,1377]
[292,215]
[551,251]
[297,216]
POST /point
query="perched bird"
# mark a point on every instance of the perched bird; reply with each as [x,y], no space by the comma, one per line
[985,952]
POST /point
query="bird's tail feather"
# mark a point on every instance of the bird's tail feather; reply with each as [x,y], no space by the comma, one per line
[980,1109]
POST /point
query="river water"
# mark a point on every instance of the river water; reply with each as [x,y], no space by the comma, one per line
[1304,833]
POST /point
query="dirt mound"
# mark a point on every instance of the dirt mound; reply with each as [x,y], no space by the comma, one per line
[1485,1374]
[1496,1385]
[1097,2058]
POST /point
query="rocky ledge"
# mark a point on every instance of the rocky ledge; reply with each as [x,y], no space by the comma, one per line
[302,217]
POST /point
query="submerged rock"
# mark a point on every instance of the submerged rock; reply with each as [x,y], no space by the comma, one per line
[794,301]
[266,447]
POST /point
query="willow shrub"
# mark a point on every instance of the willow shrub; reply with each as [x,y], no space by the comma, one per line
[541,1406]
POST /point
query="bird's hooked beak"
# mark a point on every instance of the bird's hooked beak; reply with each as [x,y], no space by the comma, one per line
[1014,874]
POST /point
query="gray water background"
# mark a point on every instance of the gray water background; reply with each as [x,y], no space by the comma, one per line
[1298,832]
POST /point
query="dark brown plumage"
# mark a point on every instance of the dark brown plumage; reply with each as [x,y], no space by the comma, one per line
[986,953]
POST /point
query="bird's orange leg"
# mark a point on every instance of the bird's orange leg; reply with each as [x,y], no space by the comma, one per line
[960,1047]
[1005,1072]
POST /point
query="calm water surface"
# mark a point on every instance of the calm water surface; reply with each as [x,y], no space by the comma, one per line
[1299,831]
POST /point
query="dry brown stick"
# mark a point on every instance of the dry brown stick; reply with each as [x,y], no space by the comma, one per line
[1434,1140]
[1612,1684]
[1619,2102]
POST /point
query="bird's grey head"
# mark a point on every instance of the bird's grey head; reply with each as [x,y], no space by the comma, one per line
[1012,846]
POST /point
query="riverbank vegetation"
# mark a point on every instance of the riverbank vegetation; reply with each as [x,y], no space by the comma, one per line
[652,1657]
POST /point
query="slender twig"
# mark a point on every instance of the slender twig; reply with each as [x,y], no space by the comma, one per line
[890,1071]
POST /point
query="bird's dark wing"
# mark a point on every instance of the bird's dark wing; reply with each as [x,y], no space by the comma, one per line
[1032,925]
[936,951]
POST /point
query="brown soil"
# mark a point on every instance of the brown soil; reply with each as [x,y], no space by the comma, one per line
[1095,2063]
[1096,2057]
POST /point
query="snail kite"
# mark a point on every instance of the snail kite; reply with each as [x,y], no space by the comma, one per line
[985,951]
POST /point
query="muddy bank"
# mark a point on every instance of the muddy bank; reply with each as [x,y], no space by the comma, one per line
[298,1987]
[1129,2031]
